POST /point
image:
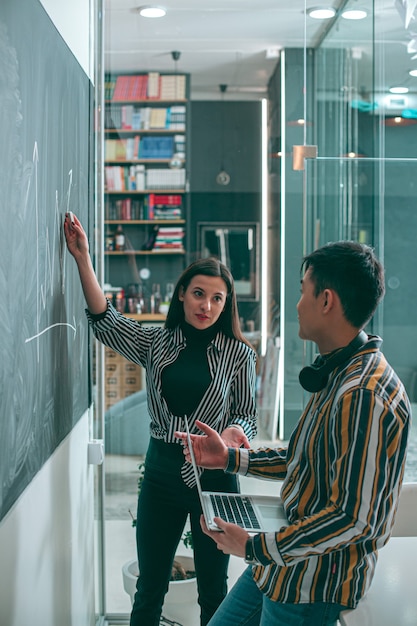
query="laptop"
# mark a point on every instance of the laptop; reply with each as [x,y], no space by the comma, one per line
[253,513]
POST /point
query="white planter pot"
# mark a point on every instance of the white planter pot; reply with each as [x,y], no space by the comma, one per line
[180,603]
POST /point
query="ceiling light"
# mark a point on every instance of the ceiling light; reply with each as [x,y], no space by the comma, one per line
[149,11]
[354,14]
[398,90]
[321,13]
[413,72]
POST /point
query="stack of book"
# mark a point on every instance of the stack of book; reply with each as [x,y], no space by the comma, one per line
[169,238]
[177,115]
[163,207]
[130,87]
[122,149]
[124,209]
[125,178]
[154,86]
[179,145]
[172,87]
[131,117]
[151,86]
[165,178]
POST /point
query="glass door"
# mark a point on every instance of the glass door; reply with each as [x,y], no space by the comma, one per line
[379,209]
[359,112]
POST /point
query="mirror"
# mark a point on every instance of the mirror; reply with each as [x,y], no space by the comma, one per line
[236,246]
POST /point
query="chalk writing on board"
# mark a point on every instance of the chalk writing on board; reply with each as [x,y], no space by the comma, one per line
[45,284]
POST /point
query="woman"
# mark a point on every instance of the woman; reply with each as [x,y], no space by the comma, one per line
[200,366]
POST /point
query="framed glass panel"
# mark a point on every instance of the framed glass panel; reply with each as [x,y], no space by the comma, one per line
[379,210]
[236,245]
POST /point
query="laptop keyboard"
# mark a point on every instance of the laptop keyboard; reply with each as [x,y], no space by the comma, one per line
[237,510]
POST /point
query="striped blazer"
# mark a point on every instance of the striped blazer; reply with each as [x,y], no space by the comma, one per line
[230,397]
[341,473]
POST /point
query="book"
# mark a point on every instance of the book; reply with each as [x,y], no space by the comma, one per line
[177,117]
[165,178]
[172,87]
[121,88]
[158,118]
[153,87]
[156,147]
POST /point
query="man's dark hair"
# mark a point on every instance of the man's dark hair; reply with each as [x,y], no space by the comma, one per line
[352,270]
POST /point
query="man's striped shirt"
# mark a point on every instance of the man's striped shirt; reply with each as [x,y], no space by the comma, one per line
[341,473]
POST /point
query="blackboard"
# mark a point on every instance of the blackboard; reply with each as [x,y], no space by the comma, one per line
[45,170]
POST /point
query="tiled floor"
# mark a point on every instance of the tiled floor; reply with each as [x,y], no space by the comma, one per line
[121,486]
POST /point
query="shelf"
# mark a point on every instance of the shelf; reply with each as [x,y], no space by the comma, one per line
[142,252]
[144,131]
[146,317]
[144,192]
[149,102]
[133,222]
[141,134]
[128,161]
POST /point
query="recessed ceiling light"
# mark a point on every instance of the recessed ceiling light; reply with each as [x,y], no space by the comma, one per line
[413,72]
[149,11]
[321,13]
[398,89]
[354,14]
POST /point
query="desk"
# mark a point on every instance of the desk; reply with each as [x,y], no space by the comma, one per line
[392,598]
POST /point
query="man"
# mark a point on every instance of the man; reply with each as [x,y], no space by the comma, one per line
[343,466]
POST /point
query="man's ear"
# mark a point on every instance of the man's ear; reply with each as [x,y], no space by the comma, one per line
[331,300]
[328,297]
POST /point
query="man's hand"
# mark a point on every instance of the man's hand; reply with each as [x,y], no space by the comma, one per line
[234,437]
[232,538]
[209,449]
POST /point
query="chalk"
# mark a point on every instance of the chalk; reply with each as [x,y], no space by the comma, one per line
[71,216]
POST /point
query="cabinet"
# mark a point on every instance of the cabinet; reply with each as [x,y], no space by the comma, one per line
[146,183]
[123,378]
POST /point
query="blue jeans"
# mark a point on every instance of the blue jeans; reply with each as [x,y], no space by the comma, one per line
[246,605]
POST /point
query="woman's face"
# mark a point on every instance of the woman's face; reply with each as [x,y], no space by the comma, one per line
[204,300]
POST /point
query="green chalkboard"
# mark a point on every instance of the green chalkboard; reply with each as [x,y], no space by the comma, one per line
[45,170]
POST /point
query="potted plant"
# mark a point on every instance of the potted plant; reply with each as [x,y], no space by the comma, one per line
[180,602]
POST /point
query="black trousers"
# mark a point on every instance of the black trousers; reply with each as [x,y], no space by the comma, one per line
[163,506]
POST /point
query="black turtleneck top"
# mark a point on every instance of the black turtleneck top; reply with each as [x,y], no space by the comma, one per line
[185,381]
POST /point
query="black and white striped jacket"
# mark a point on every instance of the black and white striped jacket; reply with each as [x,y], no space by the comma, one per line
[230,397]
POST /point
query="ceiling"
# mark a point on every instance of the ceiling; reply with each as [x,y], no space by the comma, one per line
[237,42]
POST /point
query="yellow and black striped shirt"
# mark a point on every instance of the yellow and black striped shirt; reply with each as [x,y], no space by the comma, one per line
[341,473]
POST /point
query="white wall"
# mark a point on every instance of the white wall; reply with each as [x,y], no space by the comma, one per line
[47,538]
[47,543]
[75,22]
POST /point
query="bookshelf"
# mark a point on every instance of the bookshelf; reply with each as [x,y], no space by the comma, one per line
[146,185]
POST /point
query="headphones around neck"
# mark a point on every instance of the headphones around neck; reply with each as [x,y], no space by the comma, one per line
[314,377]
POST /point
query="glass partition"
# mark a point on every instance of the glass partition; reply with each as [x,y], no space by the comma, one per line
[334,95]
[361,186]
[384,217]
